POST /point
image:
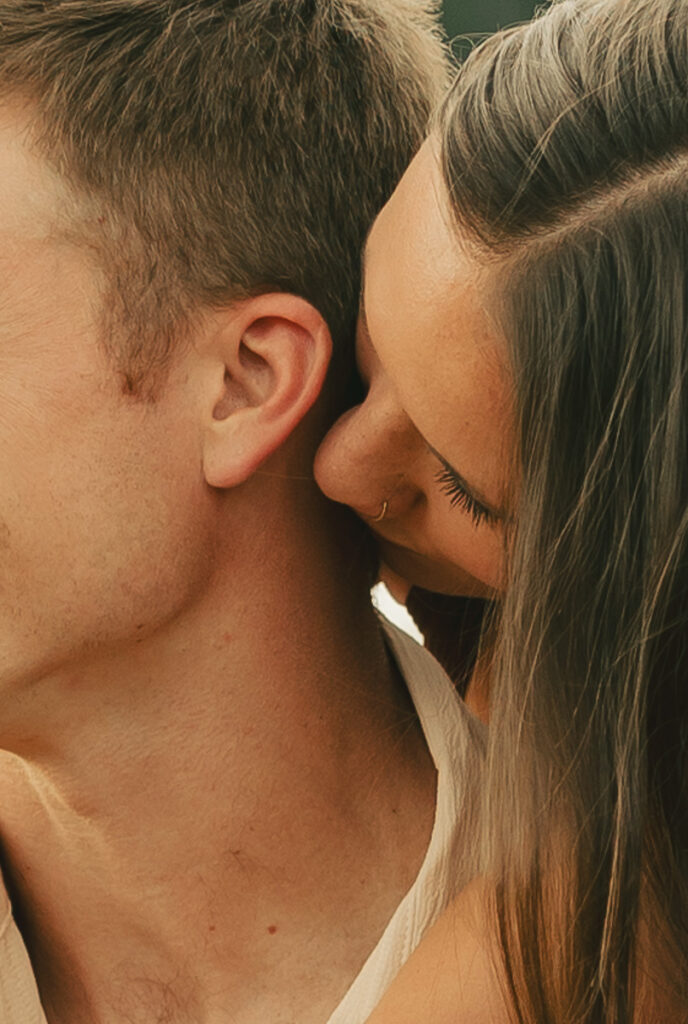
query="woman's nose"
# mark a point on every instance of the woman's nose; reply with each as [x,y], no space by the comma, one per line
[367,458]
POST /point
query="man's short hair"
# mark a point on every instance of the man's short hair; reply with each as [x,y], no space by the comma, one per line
[221,148]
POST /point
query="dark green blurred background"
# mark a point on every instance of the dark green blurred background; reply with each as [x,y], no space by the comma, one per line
[462,16]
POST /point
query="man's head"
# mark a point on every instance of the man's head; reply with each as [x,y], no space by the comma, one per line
[218,149]
[184,190]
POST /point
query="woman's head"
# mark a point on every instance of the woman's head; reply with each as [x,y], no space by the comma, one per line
[428,443]
[564,156]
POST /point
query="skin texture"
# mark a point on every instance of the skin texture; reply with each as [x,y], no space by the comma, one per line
[198,782]
[434,367]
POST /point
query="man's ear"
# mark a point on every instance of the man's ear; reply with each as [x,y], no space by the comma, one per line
[269,356]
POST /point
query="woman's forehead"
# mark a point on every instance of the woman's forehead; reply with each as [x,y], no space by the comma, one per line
[414,235]
[423,291]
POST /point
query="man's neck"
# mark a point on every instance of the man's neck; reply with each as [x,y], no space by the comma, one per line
[199,810]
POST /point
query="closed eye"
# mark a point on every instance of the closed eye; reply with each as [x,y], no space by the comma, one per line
[459,497]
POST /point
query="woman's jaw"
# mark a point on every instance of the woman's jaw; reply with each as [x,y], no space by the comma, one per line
[421,569]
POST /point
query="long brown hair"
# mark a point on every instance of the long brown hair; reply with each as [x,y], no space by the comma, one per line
[565,151]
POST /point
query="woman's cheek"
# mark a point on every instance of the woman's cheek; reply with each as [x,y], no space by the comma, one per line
[480,553]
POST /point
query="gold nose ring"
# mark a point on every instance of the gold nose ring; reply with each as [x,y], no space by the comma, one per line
[382,513]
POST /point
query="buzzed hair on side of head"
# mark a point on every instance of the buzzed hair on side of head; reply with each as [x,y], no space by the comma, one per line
[221,148]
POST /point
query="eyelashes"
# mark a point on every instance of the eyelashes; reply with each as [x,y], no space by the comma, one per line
[460,498]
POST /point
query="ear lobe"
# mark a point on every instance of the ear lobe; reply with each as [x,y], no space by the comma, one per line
[276,352]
